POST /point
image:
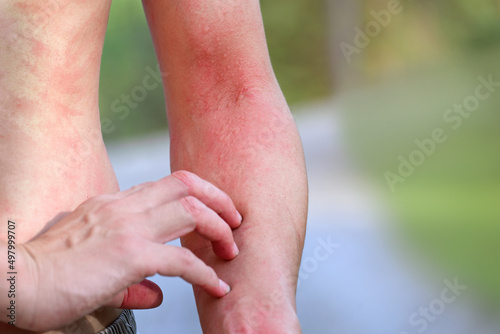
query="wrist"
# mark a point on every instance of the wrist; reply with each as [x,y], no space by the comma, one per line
[263,285]
[249,309]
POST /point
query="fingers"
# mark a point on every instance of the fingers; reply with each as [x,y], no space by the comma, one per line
[211,196]
[168,261]
[153,194]
[166,212]
[176,186]
[176,219]
[210,226]
[158,212]
[177,261]
[144,295]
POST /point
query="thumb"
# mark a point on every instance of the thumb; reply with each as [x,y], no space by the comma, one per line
[143,295]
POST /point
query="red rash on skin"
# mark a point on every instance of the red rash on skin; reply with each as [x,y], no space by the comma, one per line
[214,69]
[22,104]
[40,12]
[68,112]
[78,60]
[39,49]
[51,129]
[218,84]
[67,82]
[51,154]
[65,69]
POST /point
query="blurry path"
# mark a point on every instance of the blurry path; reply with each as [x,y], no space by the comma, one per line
[353,279]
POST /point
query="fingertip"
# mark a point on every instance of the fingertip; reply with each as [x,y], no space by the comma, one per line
[235,221]
[225,288]
[217,291]
[236,250]
[225,251]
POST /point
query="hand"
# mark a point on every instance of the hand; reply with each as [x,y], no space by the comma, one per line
[94,255]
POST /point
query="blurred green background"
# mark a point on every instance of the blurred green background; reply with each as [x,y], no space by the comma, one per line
[395,90]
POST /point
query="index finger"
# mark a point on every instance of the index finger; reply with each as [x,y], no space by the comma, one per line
[211,196]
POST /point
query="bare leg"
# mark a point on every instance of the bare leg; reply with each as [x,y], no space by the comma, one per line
[51,152]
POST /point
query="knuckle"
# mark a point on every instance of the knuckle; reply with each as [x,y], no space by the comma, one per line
[125,244]
[89,218]
[147,184]
[136,188]
[121,222]
[111,217]
[130,251]
[104,198]
[211,275]
[142,186]
[147,215]
[187,258]
[95,201]
[142,266]
[192,206]
[108,209]
[222,233]
[225,198]
[185,177]
[212,190]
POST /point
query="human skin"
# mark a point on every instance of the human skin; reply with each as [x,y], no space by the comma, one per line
[43,78]
[52,157]
[230,124]
[109,243]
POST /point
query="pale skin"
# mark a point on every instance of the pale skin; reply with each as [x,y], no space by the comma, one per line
[229,125]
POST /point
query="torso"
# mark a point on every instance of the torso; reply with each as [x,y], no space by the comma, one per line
[52,156]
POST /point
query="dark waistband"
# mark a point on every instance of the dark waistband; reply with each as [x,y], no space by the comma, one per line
[125,324]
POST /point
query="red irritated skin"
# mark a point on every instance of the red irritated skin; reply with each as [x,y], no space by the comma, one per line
[230,124]
[52,156]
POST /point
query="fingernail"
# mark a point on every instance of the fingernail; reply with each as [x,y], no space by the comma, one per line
[223,285]
[236,250]
[241,218]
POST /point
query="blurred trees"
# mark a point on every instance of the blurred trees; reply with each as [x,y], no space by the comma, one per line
[128,52]
[470,24]
[303,38]
[427,30]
